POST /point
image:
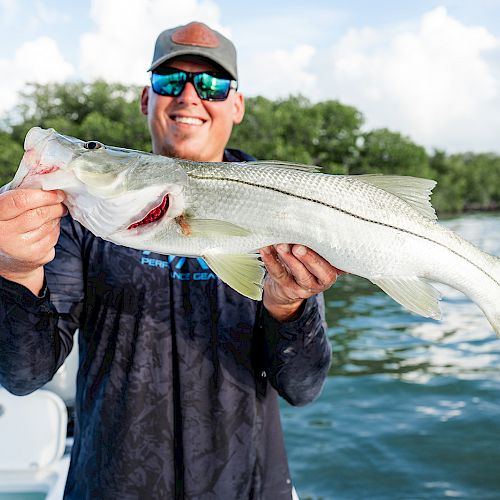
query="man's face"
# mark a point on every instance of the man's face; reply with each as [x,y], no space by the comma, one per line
[188,127]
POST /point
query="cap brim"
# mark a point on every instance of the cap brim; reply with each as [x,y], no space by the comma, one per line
[193,51]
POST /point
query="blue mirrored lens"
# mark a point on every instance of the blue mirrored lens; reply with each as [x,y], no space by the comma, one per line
[170,85]
[210,87]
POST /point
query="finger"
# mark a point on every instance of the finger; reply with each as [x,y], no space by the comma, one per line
[44,249]
[320,268]
[304,278]
[50,244]
[14,203]
[37,217]
[40,232]
[33,254]
[274,266]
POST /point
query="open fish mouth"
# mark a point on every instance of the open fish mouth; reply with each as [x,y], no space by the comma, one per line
[153,215]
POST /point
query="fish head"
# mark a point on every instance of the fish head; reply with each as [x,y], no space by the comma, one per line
[49,157]
[108,189]
[46,152]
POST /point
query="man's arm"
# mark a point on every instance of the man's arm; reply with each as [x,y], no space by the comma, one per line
[29,230]
[32,346]
[298,352]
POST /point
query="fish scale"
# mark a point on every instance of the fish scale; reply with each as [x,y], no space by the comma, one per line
[382,228]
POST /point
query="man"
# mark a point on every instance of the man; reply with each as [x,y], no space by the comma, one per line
[179,374]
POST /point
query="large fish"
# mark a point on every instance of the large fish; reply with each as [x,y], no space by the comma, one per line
[382,228]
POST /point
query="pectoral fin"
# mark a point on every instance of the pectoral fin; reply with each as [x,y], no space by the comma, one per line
[413,293]
[243,272]
[209,228]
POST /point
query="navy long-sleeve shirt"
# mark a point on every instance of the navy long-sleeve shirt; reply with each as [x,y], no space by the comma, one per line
[179,374]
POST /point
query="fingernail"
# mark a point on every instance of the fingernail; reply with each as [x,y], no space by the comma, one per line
[61,195]
[299,250]
[283,248]
[265,250]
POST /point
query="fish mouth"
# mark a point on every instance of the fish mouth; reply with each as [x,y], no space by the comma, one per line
[44,154]
[153,215]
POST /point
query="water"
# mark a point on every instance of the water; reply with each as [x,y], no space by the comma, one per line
[411,407]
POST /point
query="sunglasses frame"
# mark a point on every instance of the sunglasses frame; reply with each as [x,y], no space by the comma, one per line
[233,84]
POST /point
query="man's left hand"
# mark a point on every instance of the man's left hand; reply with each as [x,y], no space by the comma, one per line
[295,273]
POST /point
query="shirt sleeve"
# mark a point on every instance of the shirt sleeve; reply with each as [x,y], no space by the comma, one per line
[28,340]
[298,352]
[36,333]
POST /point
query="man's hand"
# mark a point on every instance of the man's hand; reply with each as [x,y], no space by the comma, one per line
[29,230]
[295,273]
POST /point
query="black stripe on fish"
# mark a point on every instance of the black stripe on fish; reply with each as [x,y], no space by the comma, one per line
[247,183]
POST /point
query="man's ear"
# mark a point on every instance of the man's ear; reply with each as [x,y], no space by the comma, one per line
[238,108]
[145,100]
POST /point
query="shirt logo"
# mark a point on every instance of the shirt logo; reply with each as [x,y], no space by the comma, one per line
[175,263]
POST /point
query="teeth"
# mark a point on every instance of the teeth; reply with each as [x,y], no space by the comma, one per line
[189,120]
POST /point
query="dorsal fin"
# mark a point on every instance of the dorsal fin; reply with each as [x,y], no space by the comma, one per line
[414,190]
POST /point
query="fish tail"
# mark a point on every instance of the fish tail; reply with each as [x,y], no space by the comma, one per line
[481,281]
[493,311]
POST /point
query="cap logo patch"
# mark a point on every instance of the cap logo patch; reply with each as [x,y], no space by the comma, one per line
[197,34]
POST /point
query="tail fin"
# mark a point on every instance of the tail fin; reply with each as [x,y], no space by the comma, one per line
[494,317]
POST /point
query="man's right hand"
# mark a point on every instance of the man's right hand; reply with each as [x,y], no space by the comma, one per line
[29,230]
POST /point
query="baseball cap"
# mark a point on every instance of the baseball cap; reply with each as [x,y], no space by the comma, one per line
[195,39]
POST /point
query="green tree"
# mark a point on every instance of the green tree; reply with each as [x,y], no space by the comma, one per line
[269,130]
[11,153]
[336,136]
[450,192]
[108,112]
[386,152]
[293,129]
[481,174]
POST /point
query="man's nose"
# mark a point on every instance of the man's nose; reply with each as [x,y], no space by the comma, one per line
[189,94]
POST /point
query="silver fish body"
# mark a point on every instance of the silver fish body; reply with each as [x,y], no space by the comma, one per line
[382,228]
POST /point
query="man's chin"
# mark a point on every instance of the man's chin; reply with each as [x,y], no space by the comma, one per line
[189,153]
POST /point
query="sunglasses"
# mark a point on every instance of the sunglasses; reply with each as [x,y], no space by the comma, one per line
[208,86]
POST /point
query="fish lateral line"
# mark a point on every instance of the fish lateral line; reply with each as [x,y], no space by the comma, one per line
[346,212]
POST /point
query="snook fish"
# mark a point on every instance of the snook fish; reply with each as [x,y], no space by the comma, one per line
[382,228]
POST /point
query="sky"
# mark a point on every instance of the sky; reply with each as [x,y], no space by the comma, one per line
[427,69]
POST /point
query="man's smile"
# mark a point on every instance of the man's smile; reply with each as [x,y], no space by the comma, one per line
[187,120]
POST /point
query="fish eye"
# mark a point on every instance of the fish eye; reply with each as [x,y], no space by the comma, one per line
[93,145]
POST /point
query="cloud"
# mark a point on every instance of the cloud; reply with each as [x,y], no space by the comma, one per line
[8,8]
[280,72]
[121,47]
[437,81]
[45,15]
[39,61]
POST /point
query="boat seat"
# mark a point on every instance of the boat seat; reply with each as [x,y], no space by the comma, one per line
[33,441]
